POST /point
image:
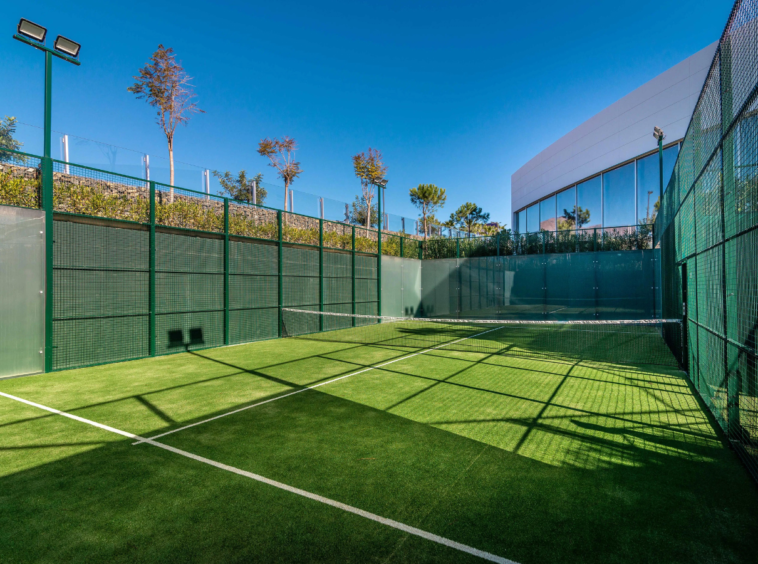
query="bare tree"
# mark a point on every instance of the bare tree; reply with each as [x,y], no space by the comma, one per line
[371,170]
[166,86]
[282,157]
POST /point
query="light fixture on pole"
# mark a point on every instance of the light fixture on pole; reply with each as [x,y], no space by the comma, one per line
[66,46]
[31,30]
[34,35]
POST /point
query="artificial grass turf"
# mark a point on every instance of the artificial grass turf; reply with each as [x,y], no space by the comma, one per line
[535,461]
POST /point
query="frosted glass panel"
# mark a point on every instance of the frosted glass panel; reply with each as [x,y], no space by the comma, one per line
[22,278]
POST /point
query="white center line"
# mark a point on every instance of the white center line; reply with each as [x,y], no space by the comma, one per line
[297,491]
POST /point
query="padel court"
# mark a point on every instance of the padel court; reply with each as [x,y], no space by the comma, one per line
[376,443]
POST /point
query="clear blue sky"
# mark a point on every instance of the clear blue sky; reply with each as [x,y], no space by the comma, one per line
[459,94]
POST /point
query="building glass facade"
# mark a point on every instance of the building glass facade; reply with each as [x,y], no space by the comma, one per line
[622,196]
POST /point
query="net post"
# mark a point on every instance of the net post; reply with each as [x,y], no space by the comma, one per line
[151,275]
[226,271]
[352,262]
[280,293]
[321,272]
[46,169]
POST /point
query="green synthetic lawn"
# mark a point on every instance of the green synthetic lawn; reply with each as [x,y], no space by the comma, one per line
[535,461]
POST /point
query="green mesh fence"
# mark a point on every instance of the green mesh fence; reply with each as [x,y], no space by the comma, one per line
[582,286]
[20,180]
[100,285]
[708,239]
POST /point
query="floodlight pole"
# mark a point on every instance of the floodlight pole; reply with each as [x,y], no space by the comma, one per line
[46,170]
[48,86]
[660,169]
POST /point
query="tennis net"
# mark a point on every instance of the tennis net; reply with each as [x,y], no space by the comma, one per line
[618,342]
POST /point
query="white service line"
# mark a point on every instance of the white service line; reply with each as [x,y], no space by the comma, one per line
[311,387]
[258,478]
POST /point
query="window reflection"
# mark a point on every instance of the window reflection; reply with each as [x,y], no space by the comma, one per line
[566,202]
[521,222]
[648,183]
[588,213]
[533,219]
[547,214]
[618,197]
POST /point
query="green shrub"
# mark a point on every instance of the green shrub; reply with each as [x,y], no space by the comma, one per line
[19,191]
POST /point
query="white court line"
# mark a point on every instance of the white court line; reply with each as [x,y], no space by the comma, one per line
[258,478]
[312,387]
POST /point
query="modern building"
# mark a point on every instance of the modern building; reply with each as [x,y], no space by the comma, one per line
[605,172]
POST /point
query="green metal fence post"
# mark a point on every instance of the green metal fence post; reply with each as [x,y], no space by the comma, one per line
[46,169]
[226,271]
[321,273]
[497,245]
[353,273]
[594,240]
[281,280]
[731,355]
[379,269]
[151,275]
[402,249]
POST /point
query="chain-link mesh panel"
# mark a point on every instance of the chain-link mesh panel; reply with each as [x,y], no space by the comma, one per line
[176,207]
[707,228]
[391,245]
[366,286]
[253,291]
[84,191]
[19,180]
[189,289]
[246,220]
[100,289]
[300,229]
[366,240]
[338,235]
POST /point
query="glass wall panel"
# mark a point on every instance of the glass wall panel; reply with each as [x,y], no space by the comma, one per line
[566,203]
[547,214]
[521,225]
[589,211]
[618,197]
[648,182]
[533,218]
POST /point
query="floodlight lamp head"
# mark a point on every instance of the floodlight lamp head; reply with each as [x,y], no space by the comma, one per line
[66,46]
[382,182]
[31,30]
[658,133]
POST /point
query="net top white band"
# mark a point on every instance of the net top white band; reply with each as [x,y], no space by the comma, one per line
[489,321]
